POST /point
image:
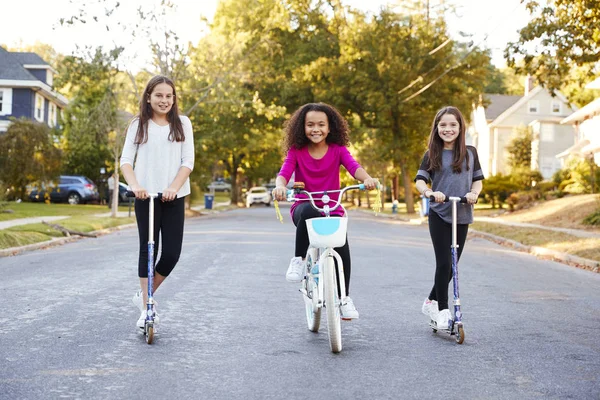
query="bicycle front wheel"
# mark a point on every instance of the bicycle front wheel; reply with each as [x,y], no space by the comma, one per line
[332,305]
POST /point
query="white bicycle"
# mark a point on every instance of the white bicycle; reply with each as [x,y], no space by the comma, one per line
[321,278]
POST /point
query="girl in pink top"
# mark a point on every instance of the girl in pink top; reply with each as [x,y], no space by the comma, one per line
[315,143]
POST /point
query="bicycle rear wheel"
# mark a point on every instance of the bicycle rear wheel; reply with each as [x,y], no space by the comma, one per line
[332,305]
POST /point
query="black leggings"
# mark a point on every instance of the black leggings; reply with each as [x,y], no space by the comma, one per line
[441,237]
[168,221]
[303,212]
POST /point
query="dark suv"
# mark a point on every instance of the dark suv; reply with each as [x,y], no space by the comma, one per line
[74,189]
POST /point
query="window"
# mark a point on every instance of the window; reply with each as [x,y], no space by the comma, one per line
[533,107]
[556,107]
[52,115]
[39,108]
[5,101]
[547,133]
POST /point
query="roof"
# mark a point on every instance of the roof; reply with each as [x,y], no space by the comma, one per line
[498,103]
[28,58]
[12,69]
[583,113]
[523,100]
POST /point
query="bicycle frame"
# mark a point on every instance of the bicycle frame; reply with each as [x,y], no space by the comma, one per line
[325,234]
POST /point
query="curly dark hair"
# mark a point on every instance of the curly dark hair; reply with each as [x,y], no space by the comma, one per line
[339,132]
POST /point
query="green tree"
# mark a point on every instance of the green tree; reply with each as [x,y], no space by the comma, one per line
[394,72]
[92,111]
[560,34]
[519,148]
[28,156]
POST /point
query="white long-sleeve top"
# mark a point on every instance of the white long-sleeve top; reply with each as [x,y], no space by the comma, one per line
[159,159]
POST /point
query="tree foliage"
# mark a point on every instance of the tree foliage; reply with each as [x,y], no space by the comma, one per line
[561,34]
[28,156]
[519,148]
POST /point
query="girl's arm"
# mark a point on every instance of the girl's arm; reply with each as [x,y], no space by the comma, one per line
[476,188]
[280,191]
[427,192]
[187,161]
[127,157]
[365,178]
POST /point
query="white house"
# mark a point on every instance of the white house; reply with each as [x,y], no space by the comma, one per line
[586,122]
[494,126]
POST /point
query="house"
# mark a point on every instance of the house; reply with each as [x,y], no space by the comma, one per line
[26,89]
[493,127]
[586,122]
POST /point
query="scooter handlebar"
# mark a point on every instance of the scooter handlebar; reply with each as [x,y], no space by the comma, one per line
[447,199]
[130,193]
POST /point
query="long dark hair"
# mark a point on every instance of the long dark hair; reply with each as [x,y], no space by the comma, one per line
[436,144]
[339,132]
[176,132]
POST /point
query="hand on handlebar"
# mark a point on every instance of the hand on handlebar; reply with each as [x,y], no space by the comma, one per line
[471,198]
[279,193]
[438,196]
[371,183]
[140,192]
[169,194]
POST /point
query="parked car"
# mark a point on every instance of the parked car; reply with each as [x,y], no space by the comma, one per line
[220,186]
[258,194]
[75,189]
[123,199]
[37,195]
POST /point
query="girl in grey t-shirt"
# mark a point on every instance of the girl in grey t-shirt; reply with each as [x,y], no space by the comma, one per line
[453,169]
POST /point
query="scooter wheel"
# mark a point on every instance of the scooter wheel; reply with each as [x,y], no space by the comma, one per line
[460,335]
[149,334]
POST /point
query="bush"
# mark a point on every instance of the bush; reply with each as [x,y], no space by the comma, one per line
[577,177]
[592,219]
[522,199]
[497,188]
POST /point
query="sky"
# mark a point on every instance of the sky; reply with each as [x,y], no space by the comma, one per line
[492,23]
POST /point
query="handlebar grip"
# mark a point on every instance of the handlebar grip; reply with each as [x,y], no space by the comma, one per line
[447,199]
[130,193]
[361,186]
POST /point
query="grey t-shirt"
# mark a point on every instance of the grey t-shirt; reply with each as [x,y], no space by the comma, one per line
[452,184]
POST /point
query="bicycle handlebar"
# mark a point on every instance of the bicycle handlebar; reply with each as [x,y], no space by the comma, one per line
[324,198]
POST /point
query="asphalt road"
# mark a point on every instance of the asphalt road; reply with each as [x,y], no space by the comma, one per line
[233,328]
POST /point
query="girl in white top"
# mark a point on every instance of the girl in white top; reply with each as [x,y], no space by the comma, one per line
[162,144]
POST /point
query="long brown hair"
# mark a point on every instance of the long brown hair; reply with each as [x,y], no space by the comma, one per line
[436,144]
[176,128]
[339,132]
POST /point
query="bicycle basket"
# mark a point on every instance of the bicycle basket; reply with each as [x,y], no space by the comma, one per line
[327,231]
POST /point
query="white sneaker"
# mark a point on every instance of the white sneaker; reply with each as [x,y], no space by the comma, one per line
[348,309]
[430,308]
[141,322]
[444,319]
[138,300]
[295,271]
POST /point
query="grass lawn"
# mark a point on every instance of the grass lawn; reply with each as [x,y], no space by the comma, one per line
[559,241]
[34,233]
[26,210]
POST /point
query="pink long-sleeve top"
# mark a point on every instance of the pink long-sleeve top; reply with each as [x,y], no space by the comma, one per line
[318,175]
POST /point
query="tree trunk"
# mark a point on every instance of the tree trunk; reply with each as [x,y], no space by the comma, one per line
[115,194]
[408,192]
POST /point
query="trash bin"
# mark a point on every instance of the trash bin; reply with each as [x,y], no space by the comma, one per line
[425,206]
[208,201]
